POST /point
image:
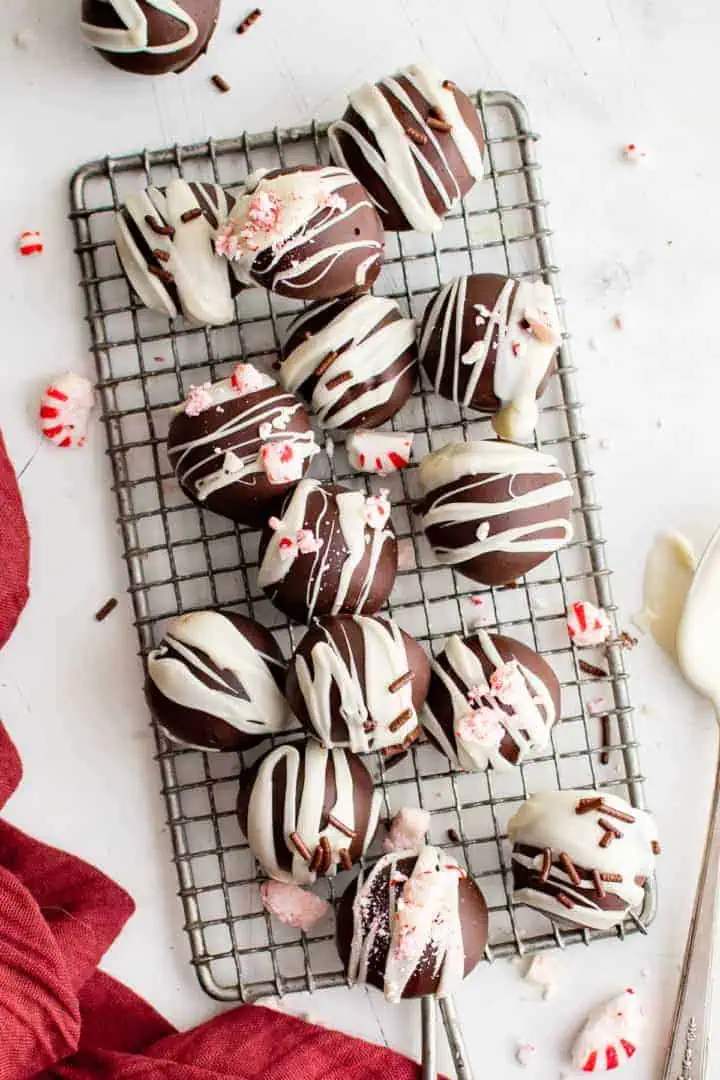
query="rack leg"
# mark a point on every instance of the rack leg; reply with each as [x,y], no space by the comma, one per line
[455,1039]
[428,1007]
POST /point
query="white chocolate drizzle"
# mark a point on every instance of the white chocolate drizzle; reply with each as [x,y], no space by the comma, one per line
[133,36]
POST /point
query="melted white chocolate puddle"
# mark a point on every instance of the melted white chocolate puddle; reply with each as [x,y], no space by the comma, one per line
[669,569]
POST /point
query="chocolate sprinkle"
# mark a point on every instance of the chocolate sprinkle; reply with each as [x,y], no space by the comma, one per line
[161,256]
[565,900]
[108,607]
[438,123]
[164,275]
[369,726]
[158,226]
[249,21]
[401,681]
[326,851]
[616,878]
[619,815]
[316,860]
[344,829]
[546,864]
[300,846]
[609,827]
[569,867]
[411,738]
[592,669]
[338,380]
[403,718]
[345,859]
[325,363]
[453,836]
[191,215]
[586,806]
[605,739]
[655,847]
[598,884]
[222,84]
[416,136]
[448,84]
[607,839]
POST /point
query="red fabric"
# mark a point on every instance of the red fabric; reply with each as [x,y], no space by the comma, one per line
[14,549]
[62,1018]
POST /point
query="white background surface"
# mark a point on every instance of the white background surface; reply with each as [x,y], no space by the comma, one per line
[639,241]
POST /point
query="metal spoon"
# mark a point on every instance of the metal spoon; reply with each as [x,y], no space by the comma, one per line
[698,646]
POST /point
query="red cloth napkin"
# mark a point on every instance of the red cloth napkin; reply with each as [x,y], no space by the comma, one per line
[59,1015]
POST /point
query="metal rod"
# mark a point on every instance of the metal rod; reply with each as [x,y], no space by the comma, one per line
[456,1040]
[428,1013]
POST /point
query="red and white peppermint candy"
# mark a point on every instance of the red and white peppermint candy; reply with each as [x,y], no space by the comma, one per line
[379,452]
[246,379]
[588,625]
[377,510]
[308,543]
[282,461]
[292,905]
[30,243]
[611,1035]
[65,410]
[199,400]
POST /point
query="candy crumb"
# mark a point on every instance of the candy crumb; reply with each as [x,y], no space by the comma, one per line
[525,1053]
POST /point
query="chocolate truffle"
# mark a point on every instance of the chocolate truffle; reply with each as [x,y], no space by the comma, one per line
[331,550]
[149,37]
[415,142]
[488,341]
[354,359]
[307,811]
[494,510]
[416,925]
[582,856]
[492,702]
[216,682]
[310,233]
[240,444]
[165,242]
[359,682]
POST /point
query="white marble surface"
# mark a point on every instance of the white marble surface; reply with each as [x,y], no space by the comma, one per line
[637,241]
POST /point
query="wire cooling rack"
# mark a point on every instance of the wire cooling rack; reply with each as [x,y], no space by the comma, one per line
[181,558]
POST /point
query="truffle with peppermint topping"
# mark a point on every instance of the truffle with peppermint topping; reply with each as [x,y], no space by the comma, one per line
[359,682]
[238,445]
[330,550]
[492,702]
[310,233]
[415,925]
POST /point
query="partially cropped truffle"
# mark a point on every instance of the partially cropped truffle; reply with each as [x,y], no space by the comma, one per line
[310,233]
[416,925]
[582,856]
[331,550]
[359,682]
[354,360]
[492,702]
[307,812]
[216,682]
[488,342]
[494,510]
[164,239]
[239,445]
[149,37]
[415,141]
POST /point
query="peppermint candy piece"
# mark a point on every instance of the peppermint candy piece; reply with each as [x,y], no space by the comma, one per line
[379,452]
[377,510]
[611,1034]
[30,243]
[292,905]
[199,400]
[282,461]
[247,379]
[65,410]
[588,625]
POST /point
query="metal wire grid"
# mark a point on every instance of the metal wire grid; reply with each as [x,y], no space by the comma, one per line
[181,558]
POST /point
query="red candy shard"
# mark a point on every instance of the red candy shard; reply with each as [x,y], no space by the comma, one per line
[611,1056]
[591,1062]
[48,412]
[396,460]
[628,1047]
[53,392]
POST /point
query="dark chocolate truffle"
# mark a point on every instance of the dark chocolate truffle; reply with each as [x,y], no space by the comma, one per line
[359,682]
[149,37]
[488,341]
[415,142]
[494,510]
[310,233]
[165,242]
[492,702]
[353,359]
[331,550]
[216,682]
[582,856]
[240,445]
[416,925]
[307,811]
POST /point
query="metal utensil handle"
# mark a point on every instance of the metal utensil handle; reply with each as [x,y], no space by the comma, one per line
[455,1039]
[428,1007]
[688,1052]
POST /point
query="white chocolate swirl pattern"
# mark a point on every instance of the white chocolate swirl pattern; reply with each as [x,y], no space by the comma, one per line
[164,239]
[299,777]
[356,357]
[405,165]
[524,715]
[582,856]
[133,35]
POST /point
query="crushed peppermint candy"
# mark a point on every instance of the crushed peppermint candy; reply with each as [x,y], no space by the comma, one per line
[377,510]
[293,905]
[407,830]
[611,1035]
[477,600]
[246,379]
[632,153]
[30,243]
[379,452]
[587,624]
[281,461]
[308,543]
[481,726]
[525,1053]
[199,400]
